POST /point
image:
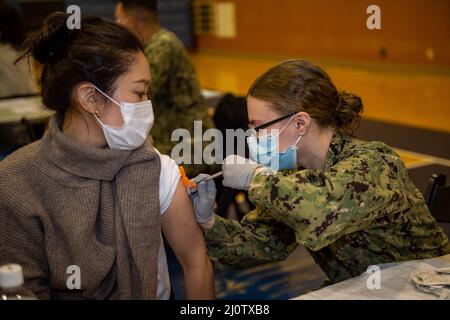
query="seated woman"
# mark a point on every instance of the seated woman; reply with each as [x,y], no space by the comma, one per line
[93,192]
[15,79]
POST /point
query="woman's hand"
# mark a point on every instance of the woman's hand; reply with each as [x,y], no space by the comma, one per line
[238,172]
[204,199]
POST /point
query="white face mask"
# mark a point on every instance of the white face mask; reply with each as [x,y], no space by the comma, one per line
[138,119]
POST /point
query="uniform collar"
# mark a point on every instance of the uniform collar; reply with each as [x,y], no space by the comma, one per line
[336,148]
[155,36]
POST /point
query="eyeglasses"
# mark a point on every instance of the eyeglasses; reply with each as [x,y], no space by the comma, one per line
[268,124]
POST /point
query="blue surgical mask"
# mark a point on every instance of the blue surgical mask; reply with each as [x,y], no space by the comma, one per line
[264,150]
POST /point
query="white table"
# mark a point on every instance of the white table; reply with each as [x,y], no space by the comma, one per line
[212,97]
[16,109]
[31,108]
[395,283]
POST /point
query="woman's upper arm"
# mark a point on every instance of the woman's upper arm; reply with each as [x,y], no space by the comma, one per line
[181,230]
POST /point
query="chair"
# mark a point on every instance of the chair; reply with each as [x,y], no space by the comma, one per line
[34,128]
[438,200]
[231,113]
[18,134]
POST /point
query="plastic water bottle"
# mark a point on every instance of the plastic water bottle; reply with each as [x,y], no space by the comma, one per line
[11,284]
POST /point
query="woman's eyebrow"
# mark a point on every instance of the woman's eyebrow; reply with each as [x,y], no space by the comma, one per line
[144,81]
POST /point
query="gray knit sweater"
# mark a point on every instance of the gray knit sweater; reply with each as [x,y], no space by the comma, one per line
[65,204]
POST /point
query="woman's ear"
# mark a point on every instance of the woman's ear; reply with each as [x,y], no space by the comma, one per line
[302,122]
[133,24]
[87,98]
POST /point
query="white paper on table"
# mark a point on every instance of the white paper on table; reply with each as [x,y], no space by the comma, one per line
[395,284]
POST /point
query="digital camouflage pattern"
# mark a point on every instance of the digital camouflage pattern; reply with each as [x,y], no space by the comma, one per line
[362,210]
[174,89]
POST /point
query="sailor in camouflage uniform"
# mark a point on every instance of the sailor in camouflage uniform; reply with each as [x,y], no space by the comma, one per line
[174,90]
[357,207]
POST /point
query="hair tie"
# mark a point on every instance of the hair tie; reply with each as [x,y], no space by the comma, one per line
[60,44]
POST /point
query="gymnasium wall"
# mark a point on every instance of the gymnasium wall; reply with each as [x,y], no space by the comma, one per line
[412,31]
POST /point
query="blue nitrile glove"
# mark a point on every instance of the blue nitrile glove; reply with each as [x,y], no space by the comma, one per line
[203,199]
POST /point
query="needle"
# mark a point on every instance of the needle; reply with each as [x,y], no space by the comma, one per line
[191,184]
[215,175]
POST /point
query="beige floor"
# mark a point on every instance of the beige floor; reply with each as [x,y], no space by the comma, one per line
[405,96]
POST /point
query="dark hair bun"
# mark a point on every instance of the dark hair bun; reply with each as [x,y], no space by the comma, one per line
[98,53]
[45,43]
[348,113]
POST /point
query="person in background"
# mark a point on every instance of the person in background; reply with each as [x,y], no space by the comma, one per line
[175,89]
[93,192]
[15,79]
